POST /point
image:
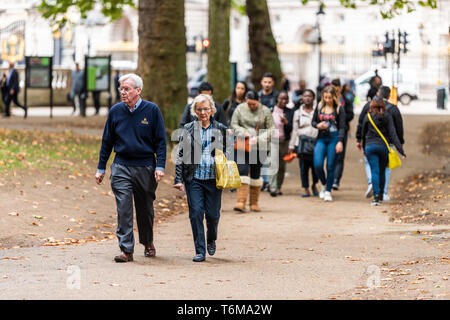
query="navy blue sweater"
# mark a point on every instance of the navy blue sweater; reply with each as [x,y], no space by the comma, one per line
[135,136]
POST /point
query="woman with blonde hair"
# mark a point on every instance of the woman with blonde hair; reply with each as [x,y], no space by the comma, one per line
[329,119]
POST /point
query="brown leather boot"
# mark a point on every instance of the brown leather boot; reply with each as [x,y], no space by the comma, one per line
[254,196]
[255,190]
[242,194]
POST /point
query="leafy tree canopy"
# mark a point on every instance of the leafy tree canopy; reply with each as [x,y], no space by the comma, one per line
[388,8]
[55,10]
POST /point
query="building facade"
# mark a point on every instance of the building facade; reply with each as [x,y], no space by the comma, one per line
[348,36]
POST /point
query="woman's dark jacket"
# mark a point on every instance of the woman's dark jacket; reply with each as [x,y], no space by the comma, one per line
[386,125]
[340,121]
[190,140]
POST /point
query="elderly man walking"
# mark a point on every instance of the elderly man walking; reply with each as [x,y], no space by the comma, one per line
[135,129]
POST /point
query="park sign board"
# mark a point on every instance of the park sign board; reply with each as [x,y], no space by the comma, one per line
[38,72]
[98,73]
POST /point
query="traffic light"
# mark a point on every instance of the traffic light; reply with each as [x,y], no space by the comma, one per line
[404,41]
[205,44]
[380,50]
[389,44]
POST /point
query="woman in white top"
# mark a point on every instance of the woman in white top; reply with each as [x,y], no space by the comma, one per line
[302,127]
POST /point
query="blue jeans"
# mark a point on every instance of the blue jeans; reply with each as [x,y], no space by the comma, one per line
[204,201]
[369,175]
[326,147]
[377,155]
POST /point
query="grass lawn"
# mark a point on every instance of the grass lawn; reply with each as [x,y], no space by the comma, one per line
[22,149]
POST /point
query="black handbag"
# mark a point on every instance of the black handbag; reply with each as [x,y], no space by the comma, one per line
[305,148]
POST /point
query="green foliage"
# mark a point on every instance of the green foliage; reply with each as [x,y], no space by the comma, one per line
[55,10]
[388,8]
[239,5]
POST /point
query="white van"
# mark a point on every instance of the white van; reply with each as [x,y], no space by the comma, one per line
[408,85]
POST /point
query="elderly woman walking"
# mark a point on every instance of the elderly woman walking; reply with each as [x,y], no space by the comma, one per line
[253,126]
[195,173]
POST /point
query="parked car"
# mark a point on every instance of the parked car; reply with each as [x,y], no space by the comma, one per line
[408,84]
[195,81]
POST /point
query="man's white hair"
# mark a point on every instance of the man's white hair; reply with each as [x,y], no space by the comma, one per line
[201,98]
[137,81]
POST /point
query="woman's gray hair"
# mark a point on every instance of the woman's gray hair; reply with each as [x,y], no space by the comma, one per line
[202,98]
[137,81]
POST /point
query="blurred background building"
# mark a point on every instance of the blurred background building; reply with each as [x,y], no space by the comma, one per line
[347,39]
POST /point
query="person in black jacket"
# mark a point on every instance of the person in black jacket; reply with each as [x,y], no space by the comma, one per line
[384,92]
[345,101]
[195,173]
[237,97]
[329,118]
[204,88]
[375,149]
[12,91]
[282,117]
[4,89]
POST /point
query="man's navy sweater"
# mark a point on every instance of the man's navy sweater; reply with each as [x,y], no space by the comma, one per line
[135,136]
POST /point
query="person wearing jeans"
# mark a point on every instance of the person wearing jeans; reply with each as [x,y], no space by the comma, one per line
[195,172]
[329,119]
[369,193]
[374,145]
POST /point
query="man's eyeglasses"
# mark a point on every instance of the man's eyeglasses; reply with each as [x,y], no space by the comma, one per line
[203,110]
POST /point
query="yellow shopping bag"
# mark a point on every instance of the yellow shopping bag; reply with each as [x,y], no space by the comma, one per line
[227,174]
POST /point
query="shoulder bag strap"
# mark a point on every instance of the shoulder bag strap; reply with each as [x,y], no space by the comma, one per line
[379,132]
[259,119]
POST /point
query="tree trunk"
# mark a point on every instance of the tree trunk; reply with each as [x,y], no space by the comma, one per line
[219,49]
[263,47]
[162,56]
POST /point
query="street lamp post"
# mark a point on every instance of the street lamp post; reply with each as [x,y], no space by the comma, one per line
[319,15]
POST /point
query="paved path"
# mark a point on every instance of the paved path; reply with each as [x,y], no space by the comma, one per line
[295,249]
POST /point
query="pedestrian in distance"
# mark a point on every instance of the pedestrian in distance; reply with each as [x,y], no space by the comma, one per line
[12,91]
[4,90]
[375,83]
[237,97]
[135,130]
[195,173]
[347,104]
[329,119]
[302,128]
[268,97]
[253,125]
[77,89]
[374,146]
[298,94]
[189,116]
[282,117]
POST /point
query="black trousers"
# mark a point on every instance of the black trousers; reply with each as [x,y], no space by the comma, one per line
[136,183]
[339,162]
[8,100]
[305,165]
[249,162]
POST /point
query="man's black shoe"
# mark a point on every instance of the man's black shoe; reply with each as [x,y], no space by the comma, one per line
[211,247]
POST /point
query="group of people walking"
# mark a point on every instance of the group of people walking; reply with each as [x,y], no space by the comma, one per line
[244,128]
